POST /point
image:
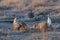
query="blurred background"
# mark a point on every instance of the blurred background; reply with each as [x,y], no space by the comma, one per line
[31,12]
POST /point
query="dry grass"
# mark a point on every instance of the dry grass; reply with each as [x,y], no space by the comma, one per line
[35,5]
[34,36]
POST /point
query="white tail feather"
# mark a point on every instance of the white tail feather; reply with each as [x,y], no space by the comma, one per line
[49,22]
[14,20]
